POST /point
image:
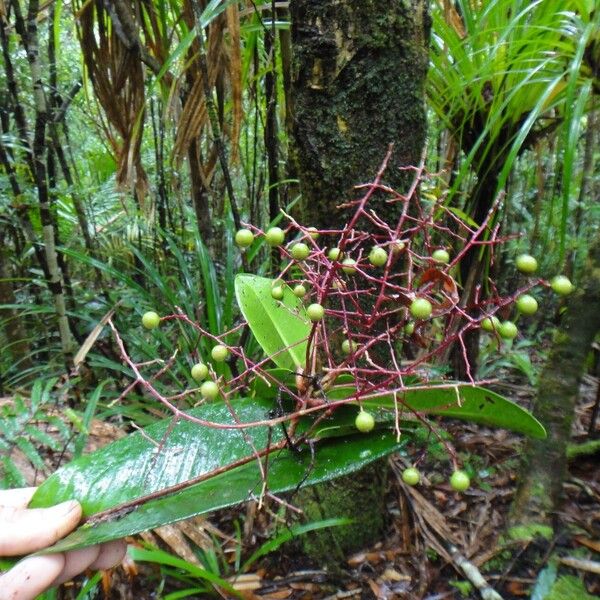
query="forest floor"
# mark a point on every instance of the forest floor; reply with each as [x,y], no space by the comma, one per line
[415,558]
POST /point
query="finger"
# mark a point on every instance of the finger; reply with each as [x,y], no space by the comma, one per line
[111,554]
[30,577]
[77,561]
[27,530]
[18,498]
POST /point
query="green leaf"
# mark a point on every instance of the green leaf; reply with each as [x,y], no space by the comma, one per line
[131,467]
[43,438]
[462,401]
[164,558]
[280,327]
[29,450]
[289,534]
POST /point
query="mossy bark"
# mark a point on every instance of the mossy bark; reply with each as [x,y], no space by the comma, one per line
[358,78]
[544,462]
[357,85]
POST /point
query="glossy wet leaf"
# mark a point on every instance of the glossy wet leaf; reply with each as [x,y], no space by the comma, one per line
[281,327]
[465,402]
[131,467]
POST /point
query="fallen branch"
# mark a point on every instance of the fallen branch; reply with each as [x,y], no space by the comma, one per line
[591,566]
[472,573]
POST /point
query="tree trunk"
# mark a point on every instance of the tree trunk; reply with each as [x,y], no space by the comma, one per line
[56,283]
[357,86]
[471,267]
[17,344]
[28,31]
[544,463]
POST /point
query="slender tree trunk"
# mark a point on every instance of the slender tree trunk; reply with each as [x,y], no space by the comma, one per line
[271,144]
[357,86]
[544,463]
[17,344]
[5,158]
[199,194]
[591,138]
[471,267]
[55,109]
[55,282]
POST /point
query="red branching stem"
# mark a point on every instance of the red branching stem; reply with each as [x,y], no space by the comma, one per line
[370,307]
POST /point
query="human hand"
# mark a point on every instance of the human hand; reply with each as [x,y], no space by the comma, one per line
[24,530]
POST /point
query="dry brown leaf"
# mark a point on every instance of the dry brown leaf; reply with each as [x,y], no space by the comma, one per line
[174,538]
[246,582]
[588,543]
[453,18]
[117,76]
[280,595]
[90,340]
[195,530]
[393,575]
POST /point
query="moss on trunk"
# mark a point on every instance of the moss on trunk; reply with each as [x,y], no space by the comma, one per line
[358,78]
[358,75]
[545,461]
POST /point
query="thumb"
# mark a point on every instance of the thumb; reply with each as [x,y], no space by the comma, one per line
[30,577]
[27,530]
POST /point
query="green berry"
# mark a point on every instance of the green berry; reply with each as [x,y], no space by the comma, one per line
[421,308]
[349,266]
[378,256]
[460,481]
[527,304]
[315,312]
[150,320]
[275,236]
[411,476]
[562,285]
[409,328]
[244,238]
[441,256]
[314,234]
[526,263]
[398,247]
[508,330]
[490,324]
[334,254]
[364,421]
[299,291]
[347,345]
[209,390]
[219,353]
[277,292]
[300,251]
[199,372]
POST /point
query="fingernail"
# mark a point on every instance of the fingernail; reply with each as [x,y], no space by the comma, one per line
[66,508]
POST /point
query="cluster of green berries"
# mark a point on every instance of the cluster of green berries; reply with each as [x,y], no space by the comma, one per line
[528,265]
[199,372]
[526,304]
[299,251]
[459,480]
